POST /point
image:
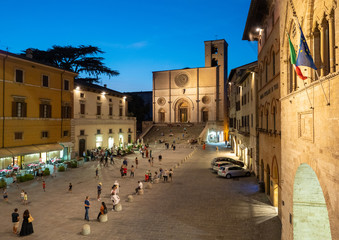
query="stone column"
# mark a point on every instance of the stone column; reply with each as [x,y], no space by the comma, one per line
[331,42]
[170,97]
[322,48]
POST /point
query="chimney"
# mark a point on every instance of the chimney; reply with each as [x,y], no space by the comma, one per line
[105,85]
[29,53]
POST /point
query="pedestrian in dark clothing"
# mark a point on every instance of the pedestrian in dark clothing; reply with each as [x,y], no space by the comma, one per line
[70,187]
[15,221]
[97,173]
[27,226]
[125,162]
[99,190]
[106,161]
[87,206]
[160,158]
[136,162]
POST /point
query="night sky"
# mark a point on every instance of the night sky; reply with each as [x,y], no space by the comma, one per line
[138,37]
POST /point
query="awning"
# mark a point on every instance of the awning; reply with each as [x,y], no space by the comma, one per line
[66,144]
[49,147]
[24,150]
[5,153]
[18,151]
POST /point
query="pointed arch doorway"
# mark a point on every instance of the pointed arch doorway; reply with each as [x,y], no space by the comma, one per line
[182,111]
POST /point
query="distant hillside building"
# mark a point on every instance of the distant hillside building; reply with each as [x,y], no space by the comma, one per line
[195,95]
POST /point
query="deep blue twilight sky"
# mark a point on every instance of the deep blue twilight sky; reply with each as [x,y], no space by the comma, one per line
[138,37]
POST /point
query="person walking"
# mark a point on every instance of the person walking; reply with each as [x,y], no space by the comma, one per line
[22,196]
[44,185]
[170,174]
[27,226]
[103,210]
[70,186]
[87,206]
[15,221]
[160,158]
[140,186]
[149,161]
[25,198]
[152,161]
[54,170]
[136,163]
[150,153]
[96,173]
[165,175]
[99,187]
[132,171]
[5,195]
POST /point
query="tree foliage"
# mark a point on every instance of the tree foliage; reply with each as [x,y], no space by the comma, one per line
[82,59]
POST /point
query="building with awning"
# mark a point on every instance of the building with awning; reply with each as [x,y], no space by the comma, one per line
[35,110]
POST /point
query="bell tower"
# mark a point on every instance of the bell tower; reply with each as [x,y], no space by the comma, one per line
[216,56]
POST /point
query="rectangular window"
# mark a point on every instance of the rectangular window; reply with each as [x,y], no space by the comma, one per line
[120,130]
[110,130]
[66,112]
[82,132]
[45,81]
[44,134]
[110,100]
[98,131]
[18,135]
[45,111]
[98,98]
[251,120]
[19,76]
[66,133]
[19,109]
[110,113]
[66,85]
[82,108]
[129,130]
[120,111]
[98,110]
[82,95]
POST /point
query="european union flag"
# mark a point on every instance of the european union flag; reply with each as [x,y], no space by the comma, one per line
[304,55]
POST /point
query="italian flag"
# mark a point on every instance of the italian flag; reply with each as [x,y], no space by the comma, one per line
[293,60]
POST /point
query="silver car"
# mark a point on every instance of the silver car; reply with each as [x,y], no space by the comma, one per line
[217,165]
[233,171]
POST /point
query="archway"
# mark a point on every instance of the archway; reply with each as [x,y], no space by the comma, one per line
[82,146]
[262,170]
[275,182]
[268,179]
[161,114]
[204,115]
[310,216]
[183,111]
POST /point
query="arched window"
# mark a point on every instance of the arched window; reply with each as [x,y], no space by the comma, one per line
[274,122]
[266,119]
[266,72]
[273,63]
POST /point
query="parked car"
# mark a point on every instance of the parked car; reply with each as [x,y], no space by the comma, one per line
[219,159]
[217,165]
[233,171]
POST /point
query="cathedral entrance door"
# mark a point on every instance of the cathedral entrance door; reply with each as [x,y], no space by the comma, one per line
[183,112]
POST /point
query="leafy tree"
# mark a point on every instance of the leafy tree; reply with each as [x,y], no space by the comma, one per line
[82,59]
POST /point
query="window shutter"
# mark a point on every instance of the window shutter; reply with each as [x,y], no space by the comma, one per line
[14,113]
[49,111]
[69,112]
[24,109]
[41,110]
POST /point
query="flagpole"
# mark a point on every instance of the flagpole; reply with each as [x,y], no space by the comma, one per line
[322,87]
[308,95]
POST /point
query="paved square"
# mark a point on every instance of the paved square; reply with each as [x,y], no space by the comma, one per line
[196,205]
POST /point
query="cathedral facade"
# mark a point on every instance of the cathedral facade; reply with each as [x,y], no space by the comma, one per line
[195,95]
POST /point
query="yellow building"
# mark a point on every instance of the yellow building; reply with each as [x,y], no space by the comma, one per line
[35,111]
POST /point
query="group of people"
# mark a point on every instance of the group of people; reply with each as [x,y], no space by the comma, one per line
[26,227]
[163,174]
